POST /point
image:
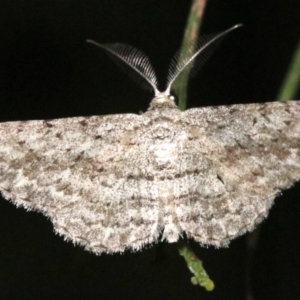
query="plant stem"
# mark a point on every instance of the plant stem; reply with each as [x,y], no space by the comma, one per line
[180,89]
[196,267]
[190,36]
[291,82]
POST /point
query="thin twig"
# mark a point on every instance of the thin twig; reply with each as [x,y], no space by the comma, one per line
[291,82]
[190,36]
[196,267]
[180,89]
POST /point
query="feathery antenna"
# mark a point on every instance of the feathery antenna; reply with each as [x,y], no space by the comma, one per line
[142,71]
[206,45]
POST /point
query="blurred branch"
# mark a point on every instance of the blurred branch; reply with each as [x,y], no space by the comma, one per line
[180,89]
[190,36]
[291,82]
[196,267]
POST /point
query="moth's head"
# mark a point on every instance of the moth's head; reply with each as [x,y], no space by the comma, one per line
[162,100]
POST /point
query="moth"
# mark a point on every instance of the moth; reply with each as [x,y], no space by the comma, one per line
[117,182]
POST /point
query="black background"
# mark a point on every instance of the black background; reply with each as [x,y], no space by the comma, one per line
[48,71]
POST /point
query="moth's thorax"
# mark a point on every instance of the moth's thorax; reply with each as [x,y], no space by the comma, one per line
[161,101]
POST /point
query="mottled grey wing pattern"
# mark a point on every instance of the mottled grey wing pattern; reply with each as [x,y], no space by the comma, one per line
[114,182]
[80,172]
[254,152]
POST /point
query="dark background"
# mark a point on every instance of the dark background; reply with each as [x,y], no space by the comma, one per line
[48,71]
